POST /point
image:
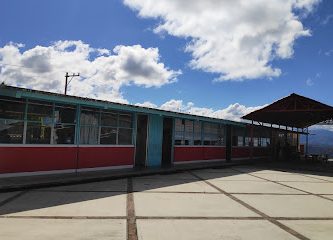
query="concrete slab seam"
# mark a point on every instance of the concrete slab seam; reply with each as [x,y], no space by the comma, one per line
[131,220]
[266,217]
[309,193]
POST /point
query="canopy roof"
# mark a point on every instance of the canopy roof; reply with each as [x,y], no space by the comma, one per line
[293,111]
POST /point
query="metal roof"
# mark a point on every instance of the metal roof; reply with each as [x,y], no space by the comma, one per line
[293,111]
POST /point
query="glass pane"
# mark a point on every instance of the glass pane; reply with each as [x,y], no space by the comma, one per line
[108,135]
[179,136]
[188,126]
[109,119]
[197,127]
[197,133]
[11,109]
[255,142]
[125,120]
[240,141]
[64,134]
[38,134]
[89,117]
[207,142]
[247,141]
[40,113]
[11,131]
[178,142]
[63,114]
[89,135]
[179,125]
[125,136]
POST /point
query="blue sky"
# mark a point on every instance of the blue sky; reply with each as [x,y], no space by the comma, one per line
[105,24]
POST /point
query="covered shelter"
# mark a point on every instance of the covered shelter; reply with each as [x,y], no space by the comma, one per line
[294,111]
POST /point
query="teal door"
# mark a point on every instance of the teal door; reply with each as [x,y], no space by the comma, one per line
[155,136]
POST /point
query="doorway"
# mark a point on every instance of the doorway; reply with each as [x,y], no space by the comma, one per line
[141,141]
[167,142]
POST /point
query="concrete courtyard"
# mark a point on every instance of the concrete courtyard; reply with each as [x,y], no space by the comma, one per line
[228,203]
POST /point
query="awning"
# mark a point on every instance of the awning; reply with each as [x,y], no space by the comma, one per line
[293,111]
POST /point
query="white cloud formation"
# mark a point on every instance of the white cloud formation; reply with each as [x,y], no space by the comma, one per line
[309,82]
[146,104]
[237,39]
[329,53]
[103,72]
[324,127]
[232,112]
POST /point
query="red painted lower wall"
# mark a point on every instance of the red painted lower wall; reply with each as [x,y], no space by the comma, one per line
[198,153]
[261,151]
[30,159]
[33,159]
[214,153]
[90,157]
[240,152]
[245,152]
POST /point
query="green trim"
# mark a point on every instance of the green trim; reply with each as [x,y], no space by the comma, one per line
[78,126]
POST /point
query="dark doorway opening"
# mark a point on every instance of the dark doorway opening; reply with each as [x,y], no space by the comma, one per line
[228,144]
[167,142]
[141,141]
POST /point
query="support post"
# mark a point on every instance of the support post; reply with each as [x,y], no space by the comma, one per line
[307,141]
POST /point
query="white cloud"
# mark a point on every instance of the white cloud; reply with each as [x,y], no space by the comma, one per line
[327,19]
[236,39]
[309,82]
[232,112]
[146,104]
[329,53]
[102,76]
[324,127]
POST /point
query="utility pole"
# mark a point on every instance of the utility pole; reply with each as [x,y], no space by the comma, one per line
[66,77]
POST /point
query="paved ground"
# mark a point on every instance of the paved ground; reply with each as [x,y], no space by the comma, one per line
[231,203]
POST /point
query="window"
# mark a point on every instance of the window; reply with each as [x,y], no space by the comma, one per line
[124,136]
[64,124]
[125,129]
[248,141]
[197,133]
[11,108]
[265,142]
[213,134]
[11,120]
[39,122]
[40,112]
[109,119]
[105,127]
[125,120]
[179,131]
[11,131]
[108,135]
[238,136]
[89,131]
[38,133]
[255,142]
[187,132]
